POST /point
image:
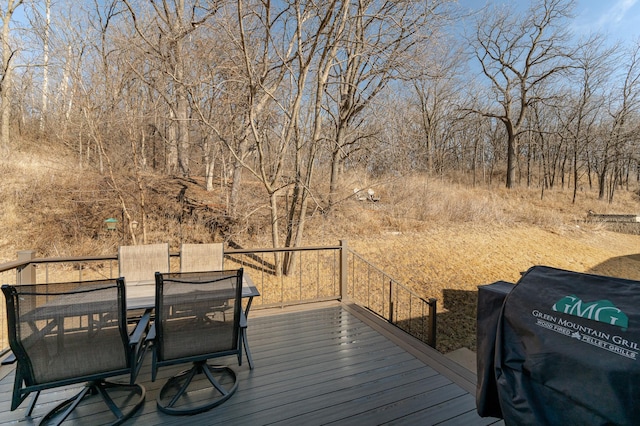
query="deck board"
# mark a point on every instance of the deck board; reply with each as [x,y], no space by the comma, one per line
[320,365]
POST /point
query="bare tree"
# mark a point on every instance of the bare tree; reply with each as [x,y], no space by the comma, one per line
[164,39]
[219,109]
[8,52]
[303,63]
[45,64]
[437,88]
[517,54]
[380,41]
[584,103]
[621,128]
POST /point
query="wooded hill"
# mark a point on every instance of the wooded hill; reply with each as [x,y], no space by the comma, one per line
[279,110]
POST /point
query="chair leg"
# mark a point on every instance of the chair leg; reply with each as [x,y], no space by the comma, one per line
[189,377]
[63,410]
[184,403]
[245,343]
[207,370]
[32,404]
[65,407]
[240,339]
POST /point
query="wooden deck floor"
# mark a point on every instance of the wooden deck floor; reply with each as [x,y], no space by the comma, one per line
[328,364]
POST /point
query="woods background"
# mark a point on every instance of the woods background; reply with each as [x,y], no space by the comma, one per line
[295,103]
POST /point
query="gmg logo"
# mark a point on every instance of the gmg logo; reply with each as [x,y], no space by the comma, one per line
[600,310]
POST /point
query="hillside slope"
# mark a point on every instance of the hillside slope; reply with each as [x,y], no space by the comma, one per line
[439,238]
[449,263]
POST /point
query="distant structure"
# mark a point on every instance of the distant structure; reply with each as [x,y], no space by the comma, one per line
[369,196]
[615,218]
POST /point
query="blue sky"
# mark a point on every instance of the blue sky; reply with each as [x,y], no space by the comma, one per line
[618,20]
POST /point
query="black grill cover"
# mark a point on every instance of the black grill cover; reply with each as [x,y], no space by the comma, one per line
[568,350]
[490,300]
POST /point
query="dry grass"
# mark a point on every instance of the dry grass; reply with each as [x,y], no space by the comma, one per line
[441,239]
[445,240]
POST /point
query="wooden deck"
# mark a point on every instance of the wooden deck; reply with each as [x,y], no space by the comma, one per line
[316,364]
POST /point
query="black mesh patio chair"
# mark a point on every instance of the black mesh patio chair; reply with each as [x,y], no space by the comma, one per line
[190,327]
[68,333]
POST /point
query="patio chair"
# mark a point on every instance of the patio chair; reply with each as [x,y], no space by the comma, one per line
[201,257]
[138,264]
[189,328]
[209,257]
[68,333]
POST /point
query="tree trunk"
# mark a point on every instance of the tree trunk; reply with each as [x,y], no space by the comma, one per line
[335,176]
[511,158]
[602,180]
[183,145]
[171,145]
[209,160]
[45,66]
[235,187]
[275,239]
[7,78]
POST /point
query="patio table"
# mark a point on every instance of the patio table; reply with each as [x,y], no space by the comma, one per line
[142,295]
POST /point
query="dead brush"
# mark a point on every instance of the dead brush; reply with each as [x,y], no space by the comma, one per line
[431,235]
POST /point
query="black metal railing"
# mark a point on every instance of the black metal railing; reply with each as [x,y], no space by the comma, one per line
[314,274]
[377,291]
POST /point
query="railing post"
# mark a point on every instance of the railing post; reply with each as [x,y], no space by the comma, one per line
[344,269]
[391,303]
[432,321]
[26,274]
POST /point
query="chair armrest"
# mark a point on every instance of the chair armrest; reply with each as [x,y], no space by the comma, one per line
[138,347]
[10,359]
[151,334]
[141,327]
